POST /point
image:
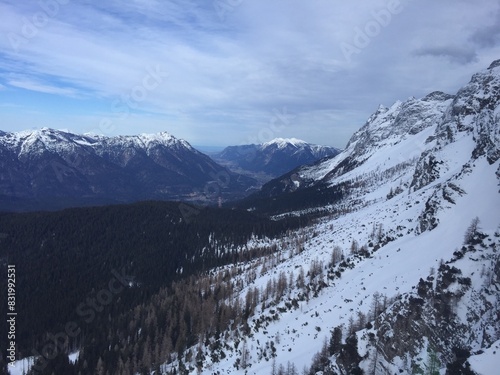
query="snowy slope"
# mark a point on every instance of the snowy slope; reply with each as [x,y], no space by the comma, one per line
[394,269]
[22,366]
[487,363]
[418,174]
[402,130]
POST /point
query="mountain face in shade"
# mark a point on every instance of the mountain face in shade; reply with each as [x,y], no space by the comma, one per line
[48,169]
[273,158]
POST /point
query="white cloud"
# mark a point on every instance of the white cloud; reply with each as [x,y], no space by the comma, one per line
[33,85]
[230,72]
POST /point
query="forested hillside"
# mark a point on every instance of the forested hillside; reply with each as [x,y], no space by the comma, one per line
[64,260]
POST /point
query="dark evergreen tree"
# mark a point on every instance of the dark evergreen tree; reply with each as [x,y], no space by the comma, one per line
[349,357]
[335,341]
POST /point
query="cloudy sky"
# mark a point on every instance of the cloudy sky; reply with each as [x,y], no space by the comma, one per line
[221,72]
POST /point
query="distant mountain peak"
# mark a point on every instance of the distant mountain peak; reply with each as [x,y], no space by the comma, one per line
[148,140]
[437,95]
[494,64]
[275,157]
[283,142]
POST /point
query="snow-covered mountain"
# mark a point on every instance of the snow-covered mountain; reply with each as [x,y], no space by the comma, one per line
[52,169]
[397,270]
[401,272]
[407,136]
[273,158]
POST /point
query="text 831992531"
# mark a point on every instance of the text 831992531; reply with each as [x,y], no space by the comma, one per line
[11,314]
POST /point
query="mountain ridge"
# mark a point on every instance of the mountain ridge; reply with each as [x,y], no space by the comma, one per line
[55,169]
[273,158]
